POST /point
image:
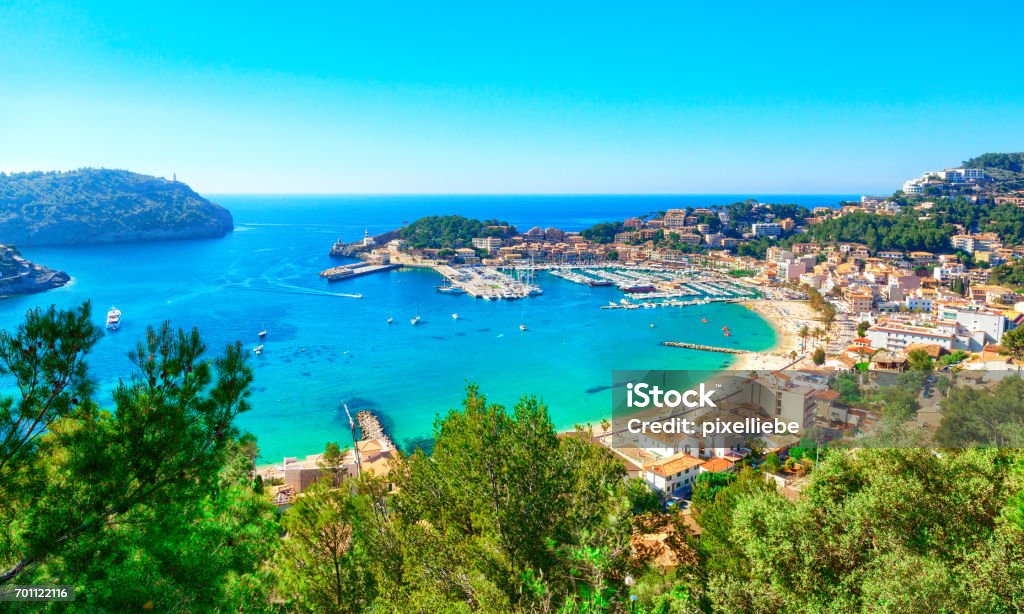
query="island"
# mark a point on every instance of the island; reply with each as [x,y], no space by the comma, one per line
[19,276]
[90,206]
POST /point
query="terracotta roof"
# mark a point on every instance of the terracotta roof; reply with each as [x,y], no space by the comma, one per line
[717,465]
[671,465]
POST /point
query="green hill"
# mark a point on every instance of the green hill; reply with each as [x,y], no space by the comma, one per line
[89,206]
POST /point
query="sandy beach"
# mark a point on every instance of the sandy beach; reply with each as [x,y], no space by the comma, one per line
[787,317]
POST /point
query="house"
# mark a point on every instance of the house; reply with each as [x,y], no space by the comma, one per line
[668,474]
[886,360]
[720,464]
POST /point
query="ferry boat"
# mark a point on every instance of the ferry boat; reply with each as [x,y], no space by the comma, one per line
[114,319]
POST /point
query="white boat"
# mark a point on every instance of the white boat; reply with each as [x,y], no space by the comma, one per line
[114,319]
[455,316]
[258,349]
[522,327]
[262,333]
[415,321]
[390,320]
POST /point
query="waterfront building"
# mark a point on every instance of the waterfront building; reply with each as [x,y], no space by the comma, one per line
[491,244]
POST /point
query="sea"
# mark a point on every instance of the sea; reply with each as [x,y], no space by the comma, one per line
[325,347]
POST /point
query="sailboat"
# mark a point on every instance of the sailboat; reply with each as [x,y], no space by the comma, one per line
[416,320]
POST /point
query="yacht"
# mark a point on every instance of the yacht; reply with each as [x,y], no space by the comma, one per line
[450,289]
[114,319]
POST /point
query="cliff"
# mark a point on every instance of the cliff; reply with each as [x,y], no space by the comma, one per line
[19,276]
[90,206]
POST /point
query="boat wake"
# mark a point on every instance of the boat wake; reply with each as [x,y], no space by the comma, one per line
[287,289]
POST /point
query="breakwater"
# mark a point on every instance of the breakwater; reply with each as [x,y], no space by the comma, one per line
[705,348]
[370,427]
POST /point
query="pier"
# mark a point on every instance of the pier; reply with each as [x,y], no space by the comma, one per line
[704,348]
[488,283]
[356,269]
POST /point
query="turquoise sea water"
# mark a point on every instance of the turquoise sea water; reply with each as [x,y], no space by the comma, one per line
[324,348]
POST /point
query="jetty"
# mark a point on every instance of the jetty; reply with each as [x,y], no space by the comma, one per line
[370,427]
[348,271]
[704,348]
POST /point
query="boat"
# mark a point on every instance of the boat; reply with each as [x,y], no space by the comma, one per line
[598,283]
[652,324]
[522,327]
[455,316]
[114,319]
[262,334]
[704,320]
[728,334]
[450,289]
[725,328]
[612,304]
[258,349]
[415,321]
[390,320]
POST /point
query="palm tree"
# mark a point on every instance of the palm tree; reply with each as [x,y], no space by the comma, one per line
[804,333]
[818,333]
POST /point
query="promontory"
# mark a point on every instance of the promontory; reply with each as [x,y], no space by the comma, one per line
[90,206]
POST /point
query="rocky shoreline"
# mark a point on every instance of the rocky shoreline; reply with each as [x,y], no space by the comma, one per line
[21,276]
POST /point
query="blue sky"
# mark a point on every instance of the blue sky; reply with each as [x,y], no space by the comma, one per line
[514,97]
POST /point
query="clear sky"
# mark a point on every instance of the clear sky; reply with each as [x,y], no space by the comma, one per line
[531,97]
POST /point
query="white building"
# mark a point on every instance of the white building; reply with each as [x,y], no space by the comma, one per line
[673,472]
[763,229]
[491,244]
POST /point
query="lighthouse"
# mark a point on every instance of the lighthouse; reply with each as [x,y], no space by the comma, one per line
[367,239]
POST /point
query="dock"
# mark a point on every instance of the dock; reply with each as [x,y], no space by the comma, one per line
[356,269]
[704,348]
[488,283]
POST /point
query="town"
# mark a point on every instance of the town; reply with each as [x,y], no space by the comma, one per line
[852,313]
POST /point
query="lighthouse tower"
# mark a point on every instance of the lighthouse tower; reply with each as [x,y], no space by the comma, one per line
[367,239]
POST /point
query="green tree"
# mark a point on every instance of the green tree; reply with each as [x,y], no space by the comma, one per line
[919,360]
[323,563]
[1013,343]
[158,488]
[818,357]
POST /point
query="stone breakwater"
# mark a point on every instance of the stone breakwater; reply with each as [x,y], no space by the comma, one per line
[705,348]
[371,428]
